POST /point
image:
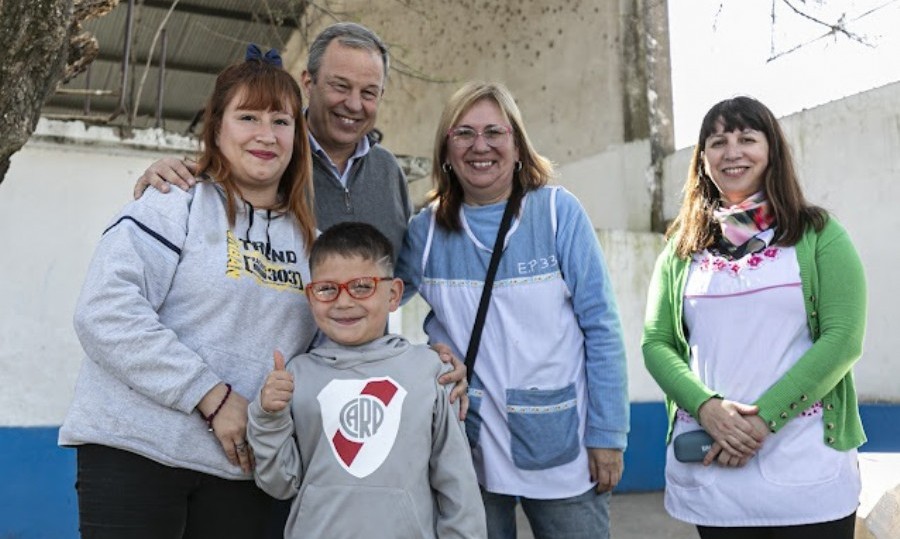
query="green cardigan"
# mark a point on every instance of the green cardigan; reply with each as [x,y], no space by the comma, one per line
[834,290]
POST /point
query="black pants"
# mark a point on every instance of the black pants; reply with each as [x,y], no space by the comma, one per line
[835,529]
[122,495]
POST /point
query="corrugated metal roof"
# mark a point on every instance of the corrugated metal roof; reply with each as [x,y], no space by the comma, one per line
[203,36]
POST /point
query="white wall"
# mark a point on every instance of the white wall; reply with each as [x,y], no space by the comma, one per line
[62,189]
[54,203]
[612,186]
[848,154]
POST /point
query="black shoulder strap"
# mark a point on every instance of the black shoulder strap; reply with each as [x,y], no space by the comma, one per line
[475,339]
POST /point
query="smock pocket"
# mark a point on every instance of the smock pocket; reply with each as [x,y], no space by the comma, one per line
[543,425]
[473,415]
[686,475]
[797,455]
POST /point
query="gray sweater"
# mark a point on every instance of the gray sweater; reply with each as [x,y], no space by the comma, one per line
[376,194]
[175,302]
[379,450]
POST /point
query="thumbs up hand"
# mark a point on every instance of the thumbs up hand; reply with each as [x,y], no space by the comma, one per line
[279,360]
[276,393]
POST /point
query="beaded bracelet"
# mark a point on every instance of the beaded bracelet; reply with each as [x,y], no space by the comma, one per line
[209,418]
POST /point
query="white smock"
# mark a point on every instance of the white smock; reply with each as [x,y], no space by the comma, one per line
[747,326]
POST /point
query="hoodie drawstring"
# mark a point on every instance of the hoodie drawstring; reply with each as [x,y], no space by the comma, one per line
[268,239]
[268,248]
[249,220]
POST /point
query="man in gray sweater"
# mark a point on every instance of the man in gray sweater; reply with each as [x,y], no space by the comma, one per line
[355,179]
[359,431]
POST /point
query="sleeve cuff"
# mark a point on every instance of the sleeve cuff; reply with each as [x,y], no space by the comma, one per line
[605,439]
[268,421]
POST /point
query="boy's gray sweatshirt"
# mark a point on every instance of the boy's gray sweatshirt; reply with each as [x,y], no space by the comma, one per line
[379,450]
[175,301]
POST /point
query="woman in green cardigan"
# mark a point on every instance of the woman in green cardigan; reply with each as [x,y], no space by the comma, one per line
[755,316]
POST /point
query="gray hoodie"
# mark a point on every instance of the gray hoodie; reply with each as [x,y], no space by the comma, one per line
[174,302]
[379,450]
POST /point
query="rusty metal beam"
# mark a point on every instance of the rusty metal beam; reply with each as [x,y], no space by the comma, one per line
[220,13]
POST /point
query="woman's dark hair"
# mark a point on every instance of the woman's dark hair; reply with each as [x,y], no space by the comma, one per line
[695,228]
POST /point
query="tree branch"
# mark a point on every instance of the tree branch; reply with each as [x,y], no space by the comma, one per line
[137,101]
[840,27]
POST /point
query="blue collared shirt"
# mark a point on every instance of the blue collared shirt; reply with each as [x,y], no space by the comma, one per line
[362,148]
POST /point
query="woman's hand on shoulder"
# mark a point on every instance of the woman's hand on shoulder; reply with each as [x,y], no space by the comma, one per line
[168,170]
[457,377]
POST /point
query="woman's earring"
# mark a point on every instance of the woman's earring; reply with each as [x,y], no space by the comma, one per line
[518,166]
[446,167]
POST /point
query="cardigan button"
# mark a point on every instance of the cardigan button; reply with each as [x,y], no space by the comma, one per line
[772,424]
[793,405]
[830,426]
[804,398]
[812,299]
[784,415]
[831,440]
[829,406]
[813,314]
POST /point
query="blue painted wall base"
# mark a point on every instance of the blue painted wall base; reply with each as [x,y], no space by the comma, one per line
[37,490]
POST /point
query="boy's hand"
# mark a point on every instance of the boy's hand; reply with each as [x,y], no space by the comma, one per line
[457,376]
[276,393]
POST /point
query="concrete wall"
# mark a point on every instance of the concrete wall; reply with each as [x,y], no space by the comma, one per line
[59,194]
[536,48]
[565,61]
[848,153]
[612,186]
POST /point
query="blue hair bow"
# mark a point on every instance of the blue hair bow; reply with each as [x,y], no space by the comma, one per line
[255,53]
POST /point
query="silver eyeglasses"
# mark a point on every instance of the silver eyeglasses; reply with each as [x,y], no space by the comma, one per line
[464,136]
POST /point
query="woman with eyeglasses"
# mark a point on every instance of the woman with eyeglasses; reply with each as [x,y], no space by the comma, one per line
[186,297]
[755,316]
[548,412]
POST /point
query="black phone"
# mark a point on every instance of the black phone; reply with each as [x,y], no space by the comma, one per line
[692,446]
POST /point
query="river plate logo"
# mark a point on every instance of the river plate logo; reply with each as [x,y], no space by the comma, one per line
[361,419]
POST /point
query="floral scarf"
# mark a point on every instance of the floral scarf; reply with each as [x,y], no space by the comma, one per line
[740,225]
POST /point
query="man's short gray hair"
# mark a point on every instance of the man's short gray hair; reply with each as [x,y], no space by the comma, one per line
[348,34]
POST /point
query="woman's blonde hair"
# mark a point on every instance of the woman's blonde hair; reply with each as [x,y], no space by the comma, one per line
[536,171]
